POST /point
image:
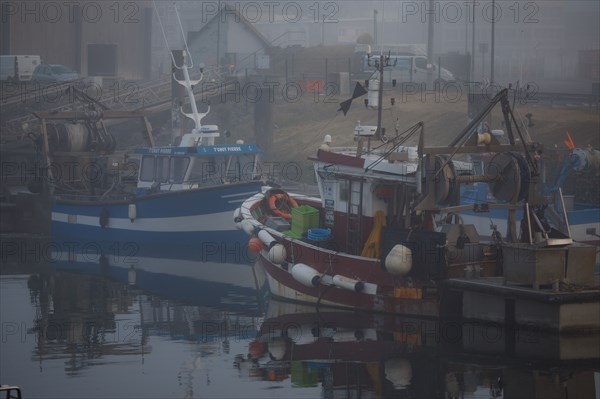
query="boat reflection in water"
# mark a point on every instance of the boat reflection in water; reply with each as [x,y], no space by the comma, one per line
[90,328]
[350,354]
[89,308]
[175,272]
[77,319]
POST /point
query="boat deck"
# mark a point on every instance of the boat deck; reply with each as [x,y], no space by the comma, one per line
[570,309]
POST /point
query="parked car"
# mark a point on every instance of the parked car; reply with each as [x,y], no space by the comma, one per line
[52,73]
[18,68]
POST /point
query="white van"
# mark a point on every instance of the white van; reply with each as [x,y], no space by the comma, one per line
[408,68]
[18,68]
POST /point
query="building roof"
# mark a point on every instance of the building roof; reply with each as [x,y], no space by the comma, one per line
[234,12]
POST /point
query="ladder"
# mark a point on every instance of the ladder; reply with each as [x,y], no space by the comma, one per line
[354,217]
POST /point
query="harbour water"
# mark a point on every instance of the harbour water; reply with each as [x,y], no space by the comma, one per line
[145,324]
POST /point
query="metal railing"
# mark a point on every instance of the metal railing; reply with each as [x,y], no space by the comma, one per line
[153,96]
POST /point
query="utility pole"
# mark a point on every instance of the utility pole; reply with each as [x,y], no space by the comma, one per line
[492,53]
[473,45]
[218,36]
[375,27]
[493,39]
[381,62]
[467,48]
[430,46]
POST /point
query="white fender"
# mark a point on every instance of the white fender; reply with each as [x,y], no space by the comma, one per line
[399,372]
[399,261]
[267,238]
[306,275]
[277,348]
[354,335]
[348,283]
[132,212]
[277,254]
[247,226]
[237,218]
[131,275]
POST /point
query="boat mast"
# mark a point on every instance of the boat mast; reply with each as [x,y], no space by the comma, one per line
[382,62]
[187,82]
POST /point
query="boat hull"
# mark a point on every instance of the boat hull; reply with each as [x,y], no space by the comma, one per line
[199,217]
[282,285]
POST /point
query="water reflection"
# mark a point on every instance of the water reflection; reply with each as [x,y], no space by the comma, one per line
[92,306]
[79,326]
[348,354]
[77,320]
[174,273]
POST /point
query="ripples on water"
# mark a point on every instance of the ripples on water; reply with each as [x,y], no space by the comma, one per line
[172,327]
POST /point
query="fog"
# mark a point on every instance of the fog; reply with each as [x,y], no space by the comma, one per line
[555,43]
[552,43]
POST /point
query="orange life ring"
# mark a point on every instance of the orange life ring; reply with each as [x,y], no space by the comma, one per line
[282,197]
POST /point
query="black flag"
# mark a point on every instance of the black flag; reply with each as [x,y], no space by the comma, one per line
[359,90]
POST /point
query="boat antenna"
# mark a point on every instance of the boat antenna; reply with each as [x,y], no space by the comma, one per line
[383,62]
[187,82]
[382,26]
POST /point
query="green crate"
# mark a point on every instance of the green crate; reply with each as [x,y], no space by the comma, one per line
[303,376]
[291,234]
[304,218]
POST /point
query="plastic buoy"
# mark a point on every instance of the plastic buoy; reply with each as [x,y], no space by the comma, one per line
[348,283]
[237,218]
[277,348]
[306,275]
[256,349]
[132,212]
[255,245]
[399,261]
[277,254]
[247,226]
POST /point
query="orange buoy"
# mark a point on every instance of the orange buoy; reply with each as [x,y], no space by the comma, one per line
[255,245]
[256,349]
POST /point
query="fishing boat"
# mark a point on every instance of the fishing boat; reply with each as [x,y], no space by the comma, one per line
[157,194]
[387,231]
[181,193]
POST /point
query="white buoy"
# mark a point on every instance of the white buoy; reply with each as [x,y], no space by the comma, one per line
[131,275]
[277,348]
[247,226]
[306,275]
[237,218]
[399,261]
[132,212]
[348,283]
[398,372]
[277,254]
